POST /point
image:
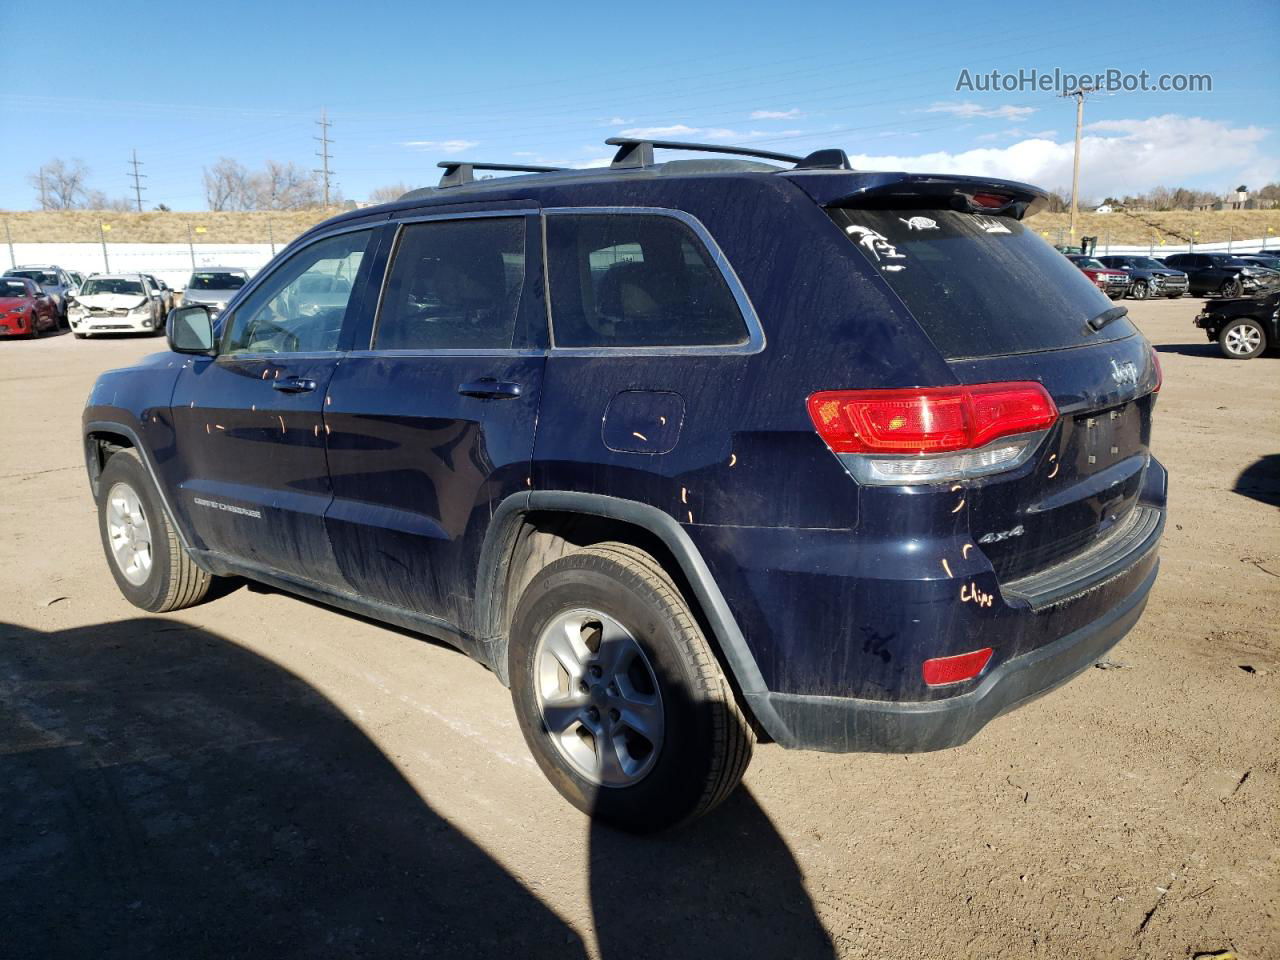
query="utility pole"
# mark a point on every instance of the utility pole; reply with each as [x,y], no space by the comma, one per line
[1079,93]
[13,261]
[137,179]
[324,141]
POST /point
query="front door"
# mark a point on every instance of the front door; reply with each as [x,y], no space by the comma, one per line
[252,477]
[433,425]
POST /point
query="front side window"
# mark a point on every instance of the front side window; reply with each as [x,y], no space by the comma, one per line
[636,280]
[454,285]
[301,305]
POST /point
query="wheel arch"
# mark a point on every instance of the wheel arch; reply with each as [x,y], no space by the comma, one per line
[529,530]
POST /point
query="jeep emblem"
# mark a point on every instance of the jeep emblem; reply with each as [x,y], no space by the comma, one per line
[1123,373]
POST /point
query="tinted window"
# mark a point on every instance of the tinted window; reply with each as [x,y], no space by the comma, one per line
[635,280]
[454,285]
[216,281]
[46,277]
[300,306]
[980,286]
[14,288]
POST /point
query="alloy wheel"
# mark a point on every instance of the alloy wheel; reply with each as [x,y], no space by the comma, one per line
[129,533]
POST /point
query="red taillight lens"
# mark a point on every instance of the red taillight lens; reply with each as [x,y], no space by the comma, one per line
[991,201]
[929,419]
[966,666]
[1155,360]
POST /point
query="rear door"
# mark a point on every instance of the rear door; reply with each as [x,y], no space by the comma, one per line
[249,450]
[430,420]
[1001,305]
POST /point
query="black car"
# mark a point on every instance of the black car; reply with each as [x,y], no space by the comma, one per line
[861,470]
[1244,327]
[1150,277]
[1219,273]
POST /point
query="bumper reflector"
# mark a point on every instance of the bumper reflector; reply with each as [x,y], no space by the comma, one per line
[941,671]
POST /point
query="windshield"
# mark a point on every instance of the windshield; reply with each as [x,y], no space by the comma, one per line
[13,288]
[111,285]
[980,286]
[44,277]
[1146,263]
[1089,262]
[216,281]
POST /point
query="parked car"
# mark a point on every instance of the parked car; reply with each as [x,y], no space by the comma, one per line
[163,293]
[213,287]
[1244,327]
[116,303]
[1148,277]
[1114,283]
[77,280]
[25,309]
[1219,273]
[53,280]
[860,472]
[1262,260]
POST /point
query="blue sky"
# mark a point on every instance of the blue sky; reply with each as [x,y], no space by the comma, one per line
[408,84]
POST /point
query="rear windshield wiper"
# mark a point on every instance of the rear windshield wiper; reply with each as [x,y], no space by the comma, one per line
[1106,316]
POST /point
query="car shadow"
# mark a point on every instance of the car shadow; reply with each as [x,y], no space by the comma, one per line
[1190,349]
[1261,480]
[166,792]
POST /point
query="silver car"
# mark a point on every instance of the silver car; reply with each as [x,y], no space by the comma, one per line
[213,287]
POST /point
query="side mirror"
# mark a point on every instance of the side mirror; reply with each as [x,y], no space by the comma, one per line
[190,330]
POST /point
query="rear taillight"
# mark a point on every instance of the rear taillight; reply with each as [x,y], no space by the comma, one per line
[933,434]
[1155,361]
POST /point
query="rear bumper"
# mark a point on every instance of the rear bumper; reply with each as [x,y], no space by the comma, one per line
[842,725]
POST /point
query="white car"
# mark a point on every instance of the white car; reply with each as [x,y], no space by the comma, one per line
[116,303]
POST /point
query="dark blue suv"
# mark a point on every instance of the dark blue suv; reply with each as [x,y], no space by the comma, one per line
[689,454]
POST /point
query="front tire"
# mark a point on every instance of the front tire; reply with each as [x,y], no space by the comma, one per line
[1242,339]
[1139,290]
[618,693]
[1230,289]
[149,564]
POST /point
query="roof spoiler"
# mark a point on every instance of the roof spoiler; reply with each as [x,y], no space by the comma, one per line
[926,191]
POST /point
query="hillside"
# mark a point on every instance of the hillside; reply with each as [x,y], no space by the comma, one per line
[81,226]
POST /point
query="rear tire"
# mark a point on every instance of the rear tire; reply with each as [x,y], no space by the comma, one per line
[147,559]
[605,652]
[1242,339]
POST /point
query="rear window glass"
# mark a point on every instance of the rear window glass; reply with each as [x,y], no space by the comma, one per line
[636,280]
[980,286]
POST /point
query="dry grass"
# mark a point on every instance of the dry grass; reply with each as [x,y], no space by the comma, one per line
[81,226]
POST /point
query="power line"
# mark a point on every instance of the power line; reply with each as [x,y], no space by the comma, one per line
[324,171]
[137,179]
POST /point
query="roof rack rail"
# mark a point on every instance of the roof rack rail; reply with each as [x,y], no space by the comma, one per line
[458,172]
[639,153]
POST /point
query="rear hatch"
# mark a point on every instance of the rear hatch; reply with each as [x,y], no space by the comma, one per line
[1001,305]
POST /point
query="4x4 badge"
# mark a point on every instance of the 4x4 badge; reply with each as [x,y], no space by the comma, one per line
[1123,373]
[1002,535]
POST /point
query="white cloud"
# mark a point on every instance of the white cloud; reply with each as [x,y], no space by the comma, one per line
[710,134]
[441,146]
[659,133]
[1117,156]
[967,109]
[1014,133]
[775,114]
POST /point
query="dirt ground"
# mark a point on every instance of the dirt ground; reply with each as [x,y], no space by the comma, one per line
[262,776]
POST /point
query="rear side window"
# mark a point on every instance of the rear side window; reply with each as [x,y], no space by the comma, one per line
[636,280]
[980,286]
[454,285]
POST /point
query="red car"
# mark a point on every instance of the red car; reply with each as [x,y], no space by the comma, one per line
[1114,283]
[25,310]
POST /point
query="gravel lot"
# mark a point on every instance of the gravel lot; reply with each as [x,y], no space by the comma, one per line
[262,776]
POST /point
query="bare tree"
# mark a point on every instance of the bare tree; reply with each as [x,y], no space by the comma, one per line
[392,191]
[284,186]
[60,185]
[226,186]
